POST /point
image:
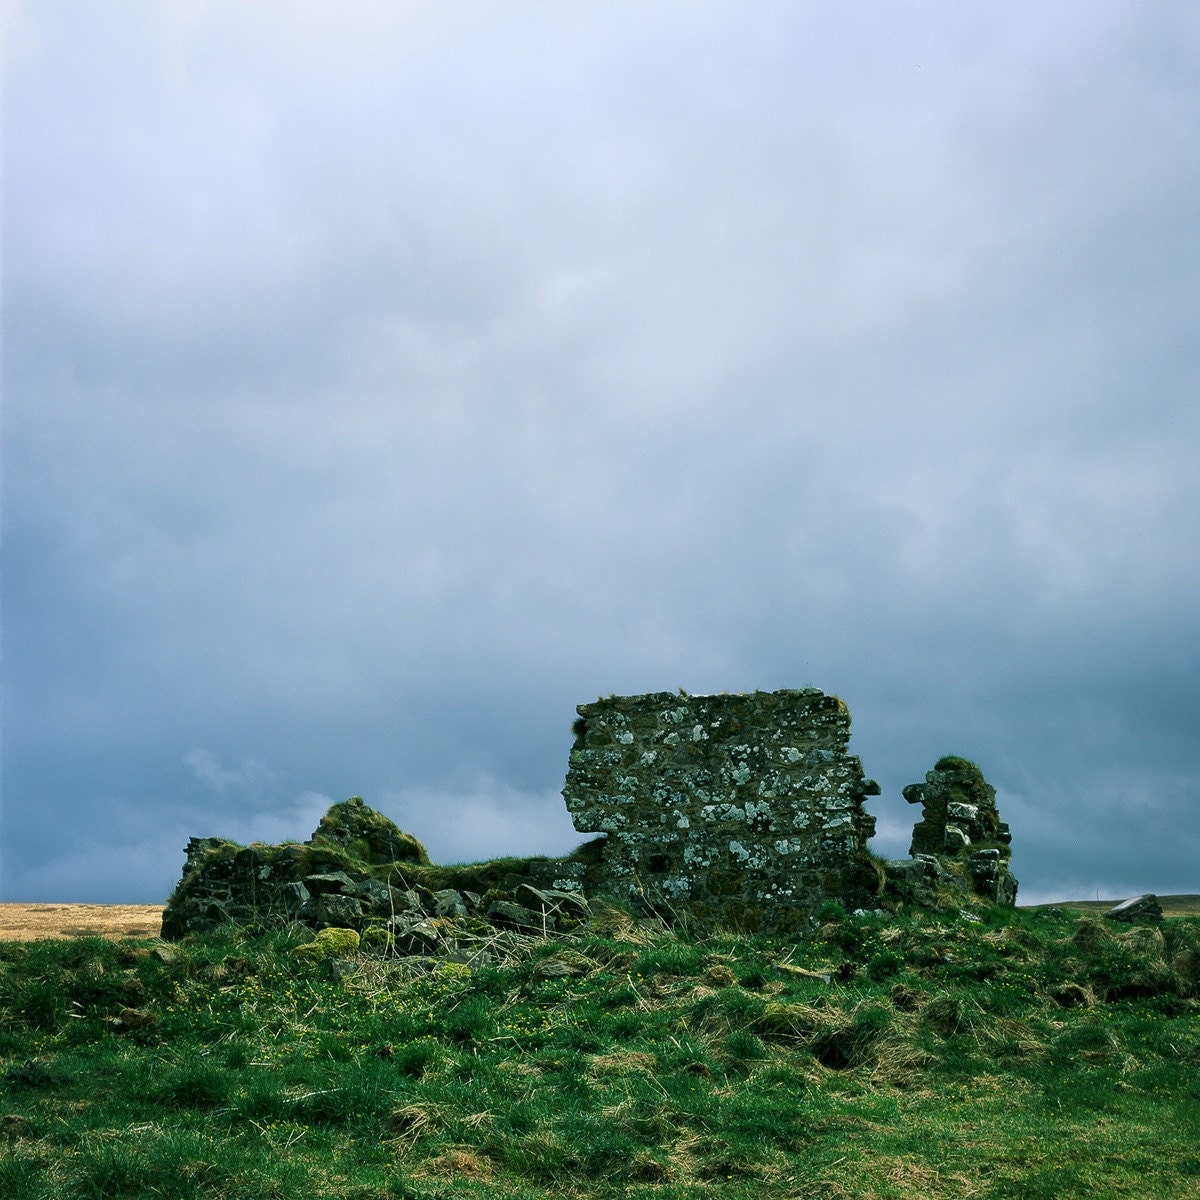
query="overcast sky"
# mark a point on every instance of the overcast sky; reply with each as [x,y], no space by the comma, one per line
[382,380]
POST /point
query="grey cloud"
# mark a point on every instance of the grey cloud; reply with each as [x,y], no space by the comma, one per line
[373,401]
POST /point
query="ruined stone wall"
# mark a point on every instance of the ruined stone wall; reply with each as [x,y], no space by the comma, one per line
[740,811]
[960,826]
[744,810]
[359,871]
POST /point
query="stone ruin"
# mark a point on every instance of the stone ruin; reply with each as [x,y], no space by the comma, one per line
[742,810]
[960,826]
[360,871]
[732,811]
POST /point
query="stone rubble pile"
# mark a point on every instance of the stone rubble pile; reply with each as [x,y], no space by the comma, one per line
[334,881]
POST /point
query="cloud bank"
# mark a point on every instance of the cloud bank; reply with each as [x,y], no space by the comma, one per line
[380,382]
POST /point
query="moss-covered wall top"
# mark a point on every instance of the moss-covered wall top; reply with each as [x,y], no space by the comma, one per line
[742,809]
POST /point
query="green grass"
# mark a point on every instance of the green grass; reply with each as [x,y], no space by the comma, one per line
[1027,1054]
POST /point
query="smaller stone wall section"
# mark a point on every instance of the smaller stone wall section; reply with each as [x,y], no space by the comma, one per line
[960,824]
[359,871]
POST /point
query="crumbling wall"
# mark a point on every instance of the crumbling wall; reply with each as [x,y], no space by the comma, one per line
[960,829]
[360,871]
[324,881]
[738,810]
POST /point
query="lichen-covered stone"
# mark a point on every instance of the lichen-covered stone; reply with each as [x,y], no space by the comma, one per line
[739,810]
[329,943]
[448,902]
[414,935]
[343,911]
[958,811]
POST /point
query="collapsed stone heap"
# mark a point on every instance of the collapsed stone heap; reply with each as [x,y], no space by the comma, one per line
[360,871]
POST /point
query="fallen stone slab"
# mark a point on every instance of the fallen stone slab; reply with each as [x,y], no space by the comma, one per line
[414,936]
[506,915]
[332,909]
[329,882]
[554,901]
[1140,908]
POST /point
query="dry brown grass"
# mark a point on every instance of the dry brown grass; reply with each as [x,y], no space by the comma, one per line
[615,922]
[415,1121]
[458,1162]
[912,1178]
[621,1062]
[1091,935]
[31,922]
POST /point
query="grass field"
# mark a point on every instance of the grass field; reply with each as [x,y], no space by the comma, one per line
[27,922]
[1028,1054]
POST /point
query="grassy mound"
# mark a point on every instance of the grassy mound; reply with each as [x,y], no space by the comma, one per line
[368,836]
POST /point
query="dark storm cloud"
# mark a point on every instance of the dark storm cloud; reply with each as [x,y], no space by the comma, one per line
[381,382]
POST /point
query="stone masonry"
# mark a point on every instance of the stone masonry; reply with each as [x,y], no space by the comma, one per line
[960,826]
[741,810]
[732,811]
[359,871]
